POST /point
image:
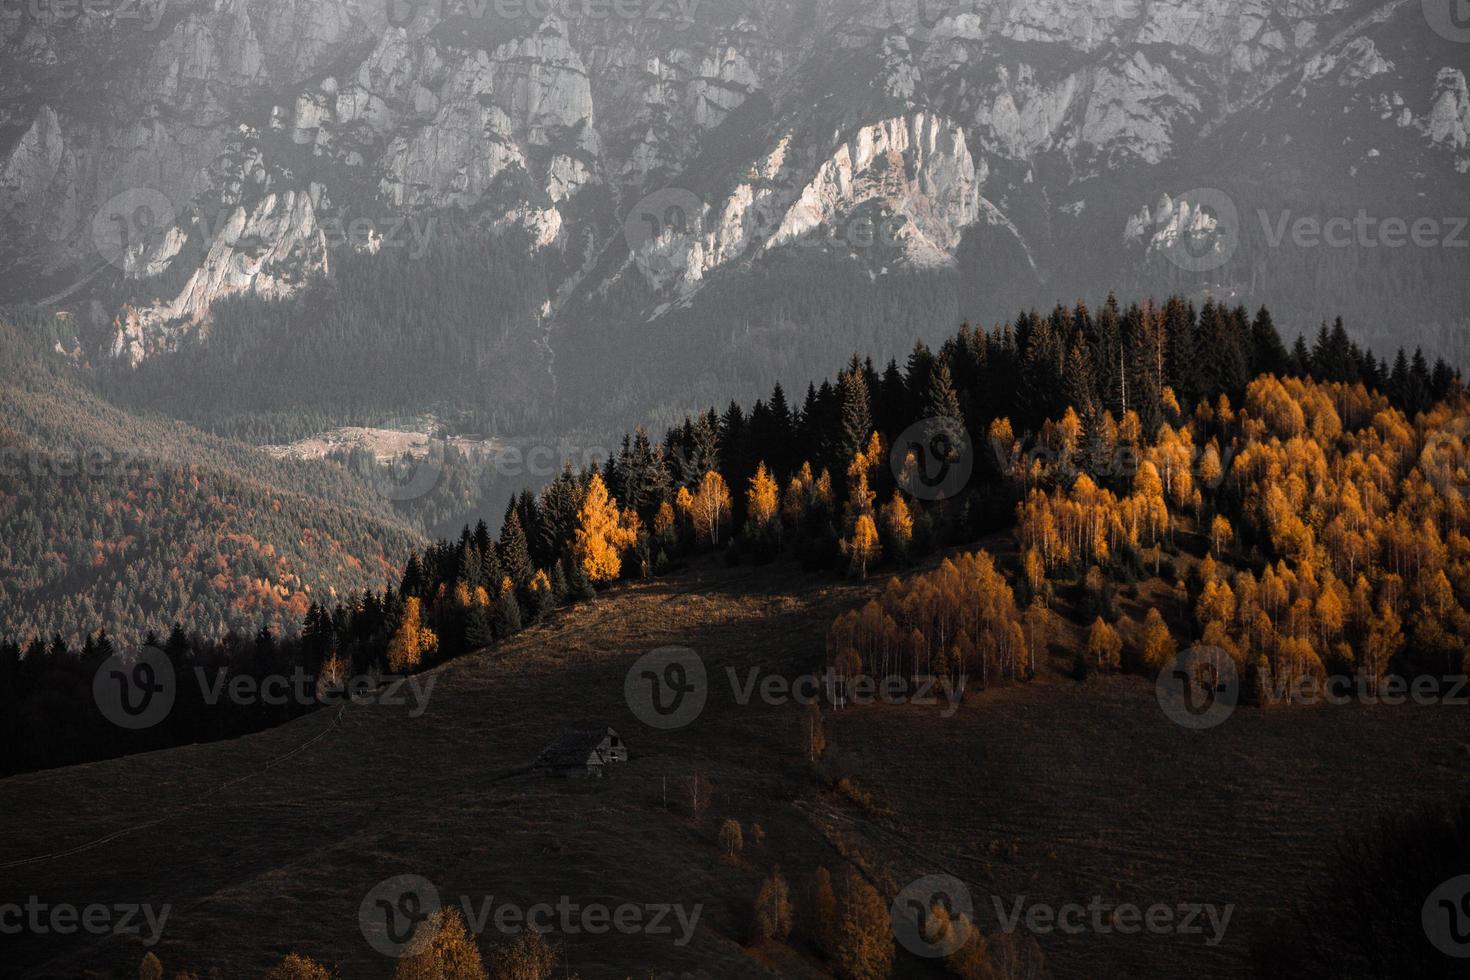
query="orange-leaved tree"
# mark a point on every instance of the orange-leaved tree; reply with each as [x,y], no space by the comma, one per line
[412,641]
[601,535]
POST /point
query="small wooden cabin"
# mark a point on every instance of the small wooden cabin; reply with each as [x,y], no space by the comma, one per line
[583,752]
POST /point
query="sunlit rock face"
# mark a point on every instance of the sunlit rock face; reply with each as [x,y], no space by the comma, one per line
[784,120]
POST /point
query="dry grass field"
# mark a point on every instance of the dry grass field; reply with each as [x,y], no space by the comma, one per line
[1055,790]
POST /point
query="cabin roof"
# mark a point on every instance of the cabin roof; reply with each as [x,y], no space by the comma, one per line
[577,747]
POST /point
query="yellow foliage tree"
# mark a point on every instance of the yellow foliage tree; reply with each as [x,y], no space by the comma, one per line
[297,967]
[601,534]
[898,522]
[860,497]
[762,501]
[710,506]
[865,937]
[663,521]
[1158,642]
[450,955]
[1104,645]
[771,913]
[1221,535]
[529,957]
[412,641]
[798,496]
[863,548]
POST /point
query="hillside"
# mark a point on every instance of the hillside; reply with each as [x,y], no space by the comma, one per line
[1054,790]
[131,522]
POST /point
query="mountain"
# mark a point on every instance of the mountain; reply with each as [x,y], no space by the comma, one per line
[464,204]
[129,523]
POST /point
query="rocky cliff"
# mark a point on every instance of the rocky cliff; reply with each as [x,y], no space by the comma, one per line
[265,135]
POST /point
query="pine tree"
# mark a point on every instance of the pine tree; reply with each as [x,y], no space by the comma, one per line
[1301,359]
[857,415]
[560,503]
[1078,379]
[1268,355]
[1223,364]
[507,621]
[940,400]
[1179,330]
[514,553]
[478,633]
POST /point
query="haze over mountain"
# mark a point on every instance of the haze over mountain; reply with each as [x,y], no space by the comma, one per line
[499,208]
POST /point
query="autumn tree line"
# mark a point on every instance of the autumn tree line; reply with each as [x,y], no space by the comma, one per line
[824,484]
[1312,531]
[1108,438]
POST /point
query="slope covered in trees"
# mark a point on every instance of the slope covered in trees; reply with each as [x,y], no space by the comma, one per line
[825,483]
[132,522]
[1115,444]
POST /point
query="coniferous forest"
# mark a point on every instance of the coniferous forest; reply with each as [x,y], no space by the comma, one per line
[1287,501]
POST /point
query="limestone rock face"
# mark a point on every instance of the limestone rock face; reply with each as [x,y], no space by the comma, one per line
[1449,115]
[269,250]
[787,122]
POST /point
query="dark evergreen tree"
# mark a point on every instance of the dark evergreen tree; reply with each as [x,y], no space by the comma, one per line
[1268,354]
[857,414]
[507,620]
[1182,356]
[1301,359]
[478,631]
[514,553]
[1223,361]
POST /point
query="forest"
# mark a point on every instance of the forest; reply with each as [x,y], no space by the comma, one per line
[1291,502]
[131,521]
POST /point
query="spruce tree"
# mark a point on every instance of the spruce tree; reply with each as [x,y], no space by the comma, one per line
[514,552]
[1183,367]
[507,616]
[1224,368]
[1301,359]
[478,632]
[857,414]
[1268,354]
[1078,379]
